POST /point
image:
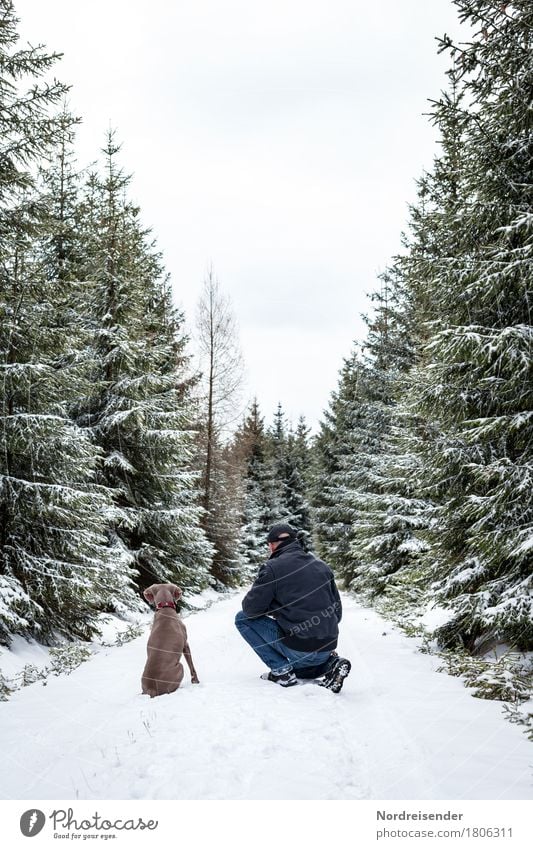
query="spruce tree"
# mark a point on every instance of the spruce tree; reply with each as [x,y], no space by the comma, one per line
[339,439]
[229,566]
[302,449]
[141,414]
[296,471]
[289,455]
[261,506]
[476,378]
[276,449]
[54,568]
[392,517]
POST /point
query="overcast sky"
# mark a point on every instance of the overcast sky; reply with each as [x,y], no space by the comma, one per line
[277,140]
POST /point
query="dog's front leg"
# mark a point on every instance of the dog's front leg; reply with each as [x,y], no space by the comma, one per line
[188,657]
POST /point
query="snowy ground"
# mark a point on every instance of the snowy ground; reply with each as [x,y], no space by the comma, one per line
[398,730]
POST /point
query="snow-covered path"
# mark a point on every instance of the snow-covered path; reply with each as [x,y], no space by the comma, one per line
[398,730]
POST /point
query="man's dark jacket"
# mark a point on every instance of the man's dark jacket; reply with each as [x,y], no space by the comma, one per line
[299,591]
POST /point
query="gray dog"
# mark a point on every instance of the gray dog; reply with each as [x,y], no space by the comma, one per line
[167,642]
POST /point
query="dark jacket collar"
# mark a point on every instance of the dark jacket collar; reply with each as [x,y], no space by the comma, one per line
[286,545]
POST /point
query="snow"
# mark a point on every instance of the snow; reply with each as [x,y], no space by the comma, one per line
[398,730]
[202,600]
[21,653]
[435,617]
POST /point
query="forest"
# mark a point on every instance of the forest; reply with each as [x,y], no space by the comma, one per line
[122,464]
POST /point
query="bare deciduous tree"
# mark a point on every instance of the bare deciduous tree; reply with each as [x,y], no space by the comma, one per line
[222,366]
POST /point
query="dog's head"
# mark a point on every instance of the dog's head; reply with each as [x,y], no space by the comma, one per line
[162,592]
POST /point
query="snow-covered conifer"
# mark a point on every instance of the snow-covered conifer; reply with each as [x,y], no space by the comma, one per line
[54,567]
[338,441]
[141,412]
[388,532]
[475,377]
[261,494]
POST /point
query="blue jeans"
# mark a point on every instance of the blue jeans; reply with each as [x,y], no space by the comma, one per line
[264,635]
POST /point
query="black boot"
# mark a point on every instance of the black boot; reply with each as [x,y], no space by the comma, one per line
[286,679]
[334,677]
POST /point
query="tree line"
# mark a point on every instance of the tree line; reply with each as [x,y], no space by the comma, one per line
[114,472]
[425,454]
[122,465]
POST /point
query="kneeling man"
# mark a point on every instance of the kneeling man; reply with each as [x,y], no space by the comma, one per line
[290,616]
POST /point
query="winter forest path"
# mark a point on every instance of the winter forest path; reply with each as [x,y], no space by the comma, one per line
[398,730]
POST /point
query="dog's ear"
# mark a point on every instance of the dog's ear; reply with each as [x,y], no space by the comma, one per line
[148,594]
[176,592]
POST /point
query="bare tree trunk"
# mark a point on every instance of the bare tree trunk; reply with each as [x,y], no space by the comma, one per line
[210,424]
[221,364]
